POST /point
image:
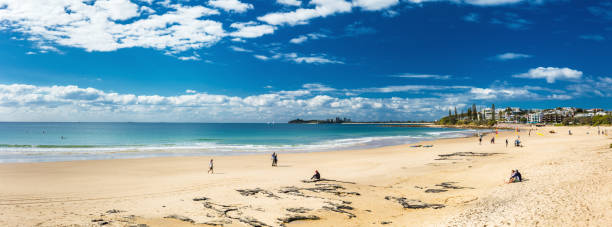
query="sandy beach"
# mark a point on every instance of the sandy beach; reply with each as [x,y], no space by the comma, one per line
[457,182]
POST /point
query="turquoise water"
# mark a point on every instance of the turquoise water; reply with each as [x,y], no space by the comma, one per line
[40,142]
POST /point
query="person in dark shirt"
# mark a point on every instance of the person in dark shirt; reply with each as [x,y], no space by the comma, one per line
[515,177]
[316,176]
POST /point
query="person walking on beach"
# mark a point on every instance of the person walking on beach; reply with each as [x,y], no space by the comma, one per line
[480,140]
[506,142]
[210,166]
[493,140]
[274,159]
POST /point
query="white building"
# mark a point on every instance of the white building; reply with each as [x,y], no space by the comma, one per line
[535,118]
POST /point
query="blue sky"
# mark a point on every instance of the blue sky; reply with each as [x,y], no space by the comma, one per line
[259,61]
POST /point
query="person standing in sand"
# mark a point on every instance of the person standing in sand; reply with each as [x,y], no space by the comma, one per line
[274,159]
[210,167]
[506,142]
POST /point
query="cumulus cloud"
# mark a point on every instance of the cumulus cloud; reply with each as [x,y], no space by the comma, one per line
[108,25]
[251,29]
[323,8]
[72,103]
[510,56]
[551,74]
[231,5]
[374,5]
[313,100]
[289,2]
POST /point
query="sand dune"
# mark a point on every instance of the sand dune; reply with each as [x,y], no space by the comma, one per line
[454,183]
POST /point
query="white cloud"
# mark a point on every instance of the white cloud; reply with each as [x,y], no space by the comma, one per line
[251,29]
[551,74]
[239,49]
[317,87]
[299,39]
[72,103]
[189,58]
[592,37]
[294,57]
[511,56]
[193,57]
[323,8]
[21,102]
[304,38]
[559,97]
[492,2]
[289,2]
[374,5]
[96,27]
[423,76]
[231,5]
[408,88]
[261,57]
[311,59]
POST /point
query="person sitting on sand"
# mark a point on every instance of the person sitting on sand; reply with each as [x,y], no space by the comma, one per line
[515,177]
[316,176]
[210,166]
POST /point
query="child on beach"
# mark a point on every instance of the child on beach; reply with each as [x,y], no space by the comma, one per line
[210,166]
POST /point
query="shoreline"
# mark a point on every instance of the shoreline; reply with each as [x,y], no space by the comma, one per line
[109,152]
[367,187]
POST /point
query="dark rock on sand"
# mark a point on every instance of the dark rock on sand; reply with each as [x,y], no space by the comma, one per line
[414,204]
[464,154]
[339,208]
[250,192]
[181,218]
[200,199]
[114,211]
[298,210]
[298,218]
[433,190]
[450,185]
[385,222]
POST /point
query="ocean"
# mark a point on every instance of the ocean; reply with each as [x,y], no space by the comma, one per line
[45,142]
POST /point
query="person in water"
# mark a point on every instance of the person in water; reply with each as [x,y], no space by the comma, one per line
[316,176]
[210,166]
